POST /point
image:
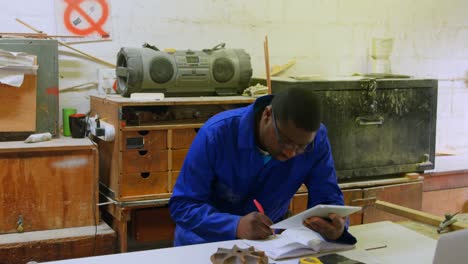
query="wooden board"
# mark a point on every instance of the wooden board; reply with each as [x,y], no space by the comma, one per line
[408,195]
[446,201]
[18,106]
[57,244]
[48,189]
[145,229]
[349,196]
[445,180]
[416,215]
[62,143]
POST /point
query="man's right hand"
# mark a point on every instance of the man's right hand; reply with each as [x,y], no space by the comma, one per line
[254,226]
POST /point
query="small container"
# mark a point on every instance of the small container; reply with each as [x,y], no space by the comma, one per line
[78,125]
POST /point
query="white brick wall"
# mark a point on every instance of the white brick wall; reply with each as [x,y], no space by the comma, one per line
[328,37]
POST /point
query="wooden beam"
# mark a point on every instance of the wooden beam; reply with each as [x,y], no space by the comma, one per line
[416,215]
[91,57]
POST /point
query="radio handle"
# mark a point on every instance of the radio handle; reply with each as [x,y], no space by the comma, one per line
[217,47]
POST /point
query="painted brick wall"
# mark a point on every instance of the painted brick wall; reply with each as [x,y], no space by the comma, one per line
[327,37]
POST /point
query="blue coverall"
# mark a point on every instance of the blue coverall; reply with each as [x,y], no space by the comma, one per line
[224,171]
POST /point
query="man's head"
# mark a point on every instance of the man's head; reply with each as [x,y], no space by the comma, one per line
[289,124]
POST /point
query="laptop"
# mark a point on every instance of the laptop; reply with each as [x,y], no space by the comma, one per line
[452,248]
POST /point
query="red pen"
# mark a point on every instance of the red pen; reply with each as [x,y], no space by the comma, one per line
[260,209]
[259,206]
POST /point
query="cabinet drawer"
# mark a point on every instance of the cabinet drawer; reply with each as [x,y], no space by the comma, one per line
[137,161]
[182,138]
[178,157]
[144,139]
[174,175]
[143,184]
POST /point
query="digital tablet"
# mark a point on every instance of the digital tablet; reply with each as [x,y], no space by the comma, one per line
[321,210]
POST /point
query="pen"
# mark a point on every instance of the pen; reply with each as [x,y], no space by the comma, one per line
[260,209]
[259,206]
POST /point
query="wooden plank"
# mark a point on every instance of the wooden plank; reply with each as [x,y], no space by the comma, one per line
[173,179]
[446,201]
[161,197]
[299,203]
[109,158]
[379,182]
[18,106]
[445,180]
[407,194]
[57,244]
[178,158]
[164,125]
[147,231]
[183,138]
[416,215]
[69,178]
[62,144]
[349,197]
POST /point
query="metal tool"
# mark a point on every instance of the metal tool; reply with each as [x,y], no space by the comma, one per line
[449,219]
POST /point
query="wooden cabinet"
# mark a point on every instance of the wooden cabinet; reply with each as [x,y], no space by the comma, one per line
[48,185]
[151,141]
[402,191]
[445,192]
[139,168]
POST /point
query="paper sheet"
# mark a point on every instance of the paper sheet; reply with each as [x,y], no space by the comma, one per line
[14,65]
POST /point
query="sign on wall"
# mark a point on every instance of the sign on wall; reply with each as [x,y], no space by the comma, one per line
[87,18]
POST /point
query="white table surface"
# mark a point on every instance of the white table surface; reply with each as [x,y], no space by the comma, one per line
[402,246]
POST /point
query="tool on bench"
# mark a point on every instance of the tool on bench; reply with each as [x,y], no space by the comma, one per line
[449,219]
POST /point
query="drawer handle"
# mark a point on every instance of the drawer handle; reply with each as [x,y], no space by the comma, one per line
[366,121]
[143,132]
[142,152]
[145,175]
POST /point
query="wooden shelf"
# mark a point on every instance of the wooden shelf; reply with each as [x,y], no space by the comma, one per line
[164,125]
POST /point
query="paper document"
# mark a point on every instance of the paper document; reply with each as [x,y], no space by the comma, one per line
[296,242]
[14,65]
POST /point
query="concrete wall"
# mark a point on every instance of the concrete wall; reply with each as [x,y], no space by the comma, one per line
[327,37]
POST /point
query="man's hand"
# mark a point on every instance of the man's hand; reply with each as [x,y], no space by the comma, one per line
[330,229]
[254,226]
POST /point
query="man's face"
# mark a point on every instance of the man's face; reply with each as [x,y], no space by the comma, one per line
[283,140]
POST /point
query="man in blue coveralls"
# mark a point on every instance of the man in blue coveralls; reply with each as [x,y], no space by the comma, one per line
[264,151]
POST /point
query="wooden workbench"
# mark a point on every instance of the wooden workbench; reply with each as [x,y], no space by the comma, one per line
[401,246]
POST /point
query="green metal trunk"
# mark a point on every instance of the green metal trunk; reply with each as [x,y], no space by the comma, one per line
[377,127]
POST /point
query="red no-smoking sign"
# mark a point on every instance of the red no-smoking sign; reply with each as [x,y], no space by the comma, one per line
[86,17]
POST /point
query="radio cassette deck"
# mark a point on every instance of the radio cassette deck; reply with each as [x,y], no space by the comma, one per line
[216,71]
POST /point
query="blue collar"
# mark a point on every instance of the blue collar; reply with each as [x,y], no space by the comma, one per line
[246,136]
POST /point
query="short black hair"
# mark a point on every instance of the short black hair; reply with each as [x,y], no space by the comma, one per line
[300,105]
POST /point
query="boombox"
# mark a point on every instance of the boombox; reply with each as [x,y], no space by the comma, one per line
[216,71]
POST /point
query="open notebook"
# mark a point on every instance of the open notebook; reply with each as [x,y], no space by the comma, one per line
[296,242]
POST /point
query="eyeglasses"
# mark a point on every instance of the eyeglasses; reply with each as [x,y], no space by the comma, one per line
[299,149]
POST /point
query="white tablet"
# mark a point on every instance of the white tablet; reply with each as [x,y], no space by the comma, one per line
[321,210]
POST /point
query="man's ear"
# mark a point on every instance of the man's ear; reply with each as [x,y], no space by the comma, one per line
[268,111]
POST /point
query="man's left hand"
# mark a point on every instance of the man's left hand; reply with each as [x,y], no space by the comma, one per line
[330,229]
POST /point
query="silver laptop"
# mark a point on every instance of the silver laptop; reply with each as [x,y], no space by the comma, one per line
[452,248]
